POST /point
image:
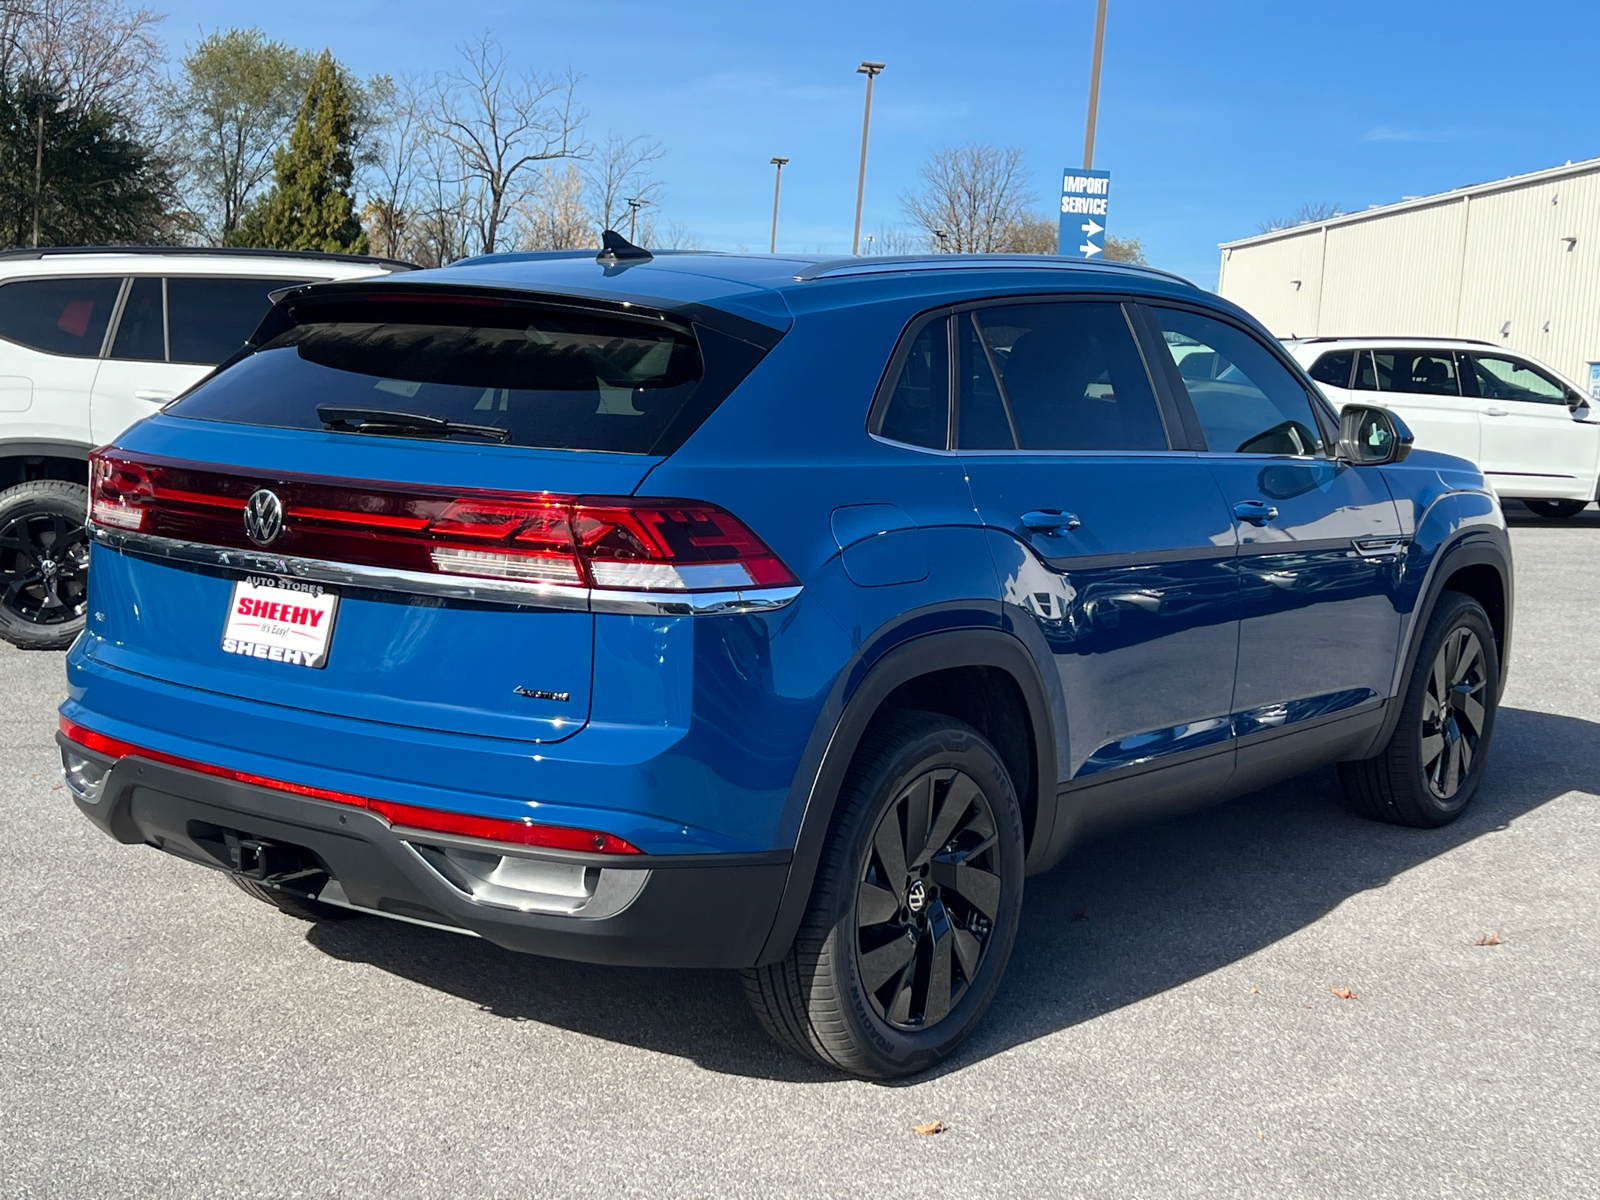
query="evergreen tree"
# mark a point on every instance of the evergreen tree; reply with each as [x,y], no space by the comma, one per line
[311,205]
[99,184]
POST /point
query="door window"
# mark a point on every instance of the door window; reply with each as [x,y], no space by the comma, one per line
[1417,372]
[59,316]
[917,411]
[209,319]
[1054,377]
[1500,378]
[1247,401]
[142,329]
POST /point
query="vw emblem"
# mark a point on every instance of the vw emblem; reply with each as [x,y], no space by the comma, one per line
[263,517]
[917,897]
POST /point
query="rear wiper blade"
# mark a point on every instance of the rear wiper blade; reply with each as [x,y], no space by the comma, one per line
[400,424]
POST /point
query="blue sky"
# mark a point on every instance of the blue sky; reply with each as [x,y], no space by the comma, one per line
[1214,115]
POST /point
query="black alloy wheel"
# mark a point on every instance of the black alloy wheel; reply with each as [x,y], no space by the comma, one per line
[927,899]
[1433,763]
[914,908]
[1453,712]
[1556,509]
[44,564]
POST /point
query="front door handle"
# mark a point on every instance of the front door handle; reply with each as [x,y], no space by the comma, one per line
[1496,412]
[153,394]
[1050,521]
[1255,512]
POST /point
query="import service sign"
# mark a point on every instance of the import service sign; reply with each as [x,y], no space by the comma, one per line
[1085,199]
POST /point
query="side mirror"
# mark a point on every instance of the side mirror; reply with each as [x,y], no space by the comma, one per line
[1576,400]
[1370,436]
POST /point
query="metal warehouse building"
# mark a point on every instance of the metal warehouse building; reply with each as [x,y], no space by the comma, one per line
[1516,263]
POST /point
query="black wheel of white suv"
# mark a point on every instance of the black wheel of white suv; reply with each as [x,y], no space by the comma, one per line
[44,563]
[914,910]
[1556,509]
[1427,774]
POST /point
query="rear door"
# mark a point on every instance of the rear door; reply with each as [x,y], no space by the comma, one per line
[169,334]
[54,331]
[1424,388]
[1112,543]
[1532,444]
[1320,545]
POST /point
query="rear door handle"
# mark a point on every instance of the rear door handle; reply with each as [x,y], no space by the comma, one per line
[1496,412]
[1050,521]
[1255,512]
[153,394]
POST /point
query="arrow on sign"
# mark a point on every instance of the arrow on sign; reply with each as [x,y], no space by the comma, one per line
[1091,228]
[1089,250]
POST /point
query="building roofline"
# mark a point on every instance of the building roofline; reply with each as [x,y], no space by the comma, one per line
[1588,166]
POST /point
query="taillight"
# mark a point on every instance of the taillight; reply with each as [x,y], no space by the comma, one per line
[411,816]
[611,543]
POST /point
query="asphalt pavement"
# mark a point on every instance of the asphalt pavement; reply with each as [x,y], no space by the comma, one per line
[1169,1025]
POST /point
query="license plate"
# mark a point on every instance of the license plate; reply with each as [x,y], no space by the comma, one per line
[280,620]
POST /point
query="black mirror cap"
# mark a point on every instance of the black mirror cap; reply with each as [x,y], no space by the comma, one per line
[1371,436]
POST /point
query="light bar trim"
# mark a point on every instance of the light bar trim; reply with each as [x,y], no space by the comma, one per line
[493,829]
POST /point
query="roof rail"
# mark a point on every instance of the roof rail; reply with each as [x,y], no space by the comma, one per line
[29,253]
[834,268]
[1387,337]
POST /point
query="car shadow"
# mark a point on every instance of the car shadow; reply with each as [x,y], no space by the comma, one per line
[1123,918]
[1519,514]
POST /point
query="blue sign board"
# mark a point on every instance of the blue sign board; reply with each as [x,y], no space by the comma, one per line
[1085,199]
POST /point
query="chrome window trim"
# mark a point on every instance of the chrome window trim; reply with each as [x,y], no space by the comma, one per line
[450,587]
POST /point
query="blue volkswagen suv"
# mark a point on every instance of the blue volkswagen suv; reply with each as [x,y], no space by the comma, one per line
[762,613]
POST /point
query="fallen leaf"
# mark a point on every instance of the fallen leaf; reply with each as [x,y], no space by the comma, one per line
[1255,991]
[1344,993]
[1261,1135]
[56,788]
[929,1129]
[1487,939]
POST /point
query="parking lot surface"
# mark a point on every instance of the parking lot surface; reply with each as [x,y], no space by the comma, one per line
[1168,1027]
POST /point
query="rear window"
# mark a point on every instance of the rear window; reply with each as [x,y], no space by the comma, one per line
[59,316]
[209,320]
[553,380]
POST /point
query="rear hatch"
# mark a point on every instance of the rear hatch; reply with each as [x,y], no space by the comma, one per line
[401,507]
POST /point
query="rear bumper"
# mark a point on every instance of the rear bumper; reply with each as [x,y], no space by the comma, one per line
[635,910]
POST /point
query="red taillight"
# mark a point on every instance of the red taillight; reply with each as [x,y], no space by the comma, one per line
[495,829]
[616,543]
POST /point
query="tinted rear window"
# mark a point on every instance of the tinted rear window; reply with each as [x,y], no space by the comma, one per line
[556,381]
[59,316]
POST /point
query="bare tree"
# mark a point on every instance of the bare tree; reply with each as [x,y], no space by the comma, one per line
[500,127]
[392,168]
[1309,214]
[892,241]
[91,52]
[619,169]
[971,198]
[554,216]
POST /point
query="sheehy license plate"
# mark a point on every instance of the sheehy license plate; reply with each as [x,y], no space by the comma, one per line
[280,620]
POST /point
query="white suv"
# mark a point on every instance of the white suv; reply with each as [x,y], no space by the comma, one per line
[1533,434]
[92,340]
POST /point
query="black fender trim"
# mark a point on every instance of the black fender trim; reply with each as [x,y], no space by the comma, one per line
[920,656]
[1472,548]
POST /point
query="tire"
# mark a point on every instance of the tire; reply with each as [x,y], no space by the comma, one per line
[1428,773]
[296,906]
[1556,509]
[894,964]
[44,563]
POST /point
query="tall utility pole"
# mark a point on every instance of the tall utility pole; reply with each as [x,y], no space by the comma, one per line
[38,165]
[870,70]
[1094,86]
[777,183]
[634,205]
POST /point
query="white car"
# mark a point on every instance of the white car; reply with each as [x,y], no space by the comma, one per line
[1534,435]
[92,340]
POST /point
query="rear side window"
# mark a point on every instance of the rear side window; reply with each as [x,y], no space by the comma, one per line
[209,320]
[918,409]
[1054,377]
[526,377]
[1418,372]
[1248,402]
[59,316]
[142,328]
[1333,368]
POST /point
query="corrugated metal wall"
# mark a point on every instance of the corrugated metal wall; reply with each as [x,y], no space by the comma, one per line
[1491,262]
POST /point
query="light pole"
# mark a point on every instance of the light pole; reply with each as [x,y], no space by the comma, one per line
[777,182]
[1094,86]
[942,236]
[871,71]
[635,203]
[44,98]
